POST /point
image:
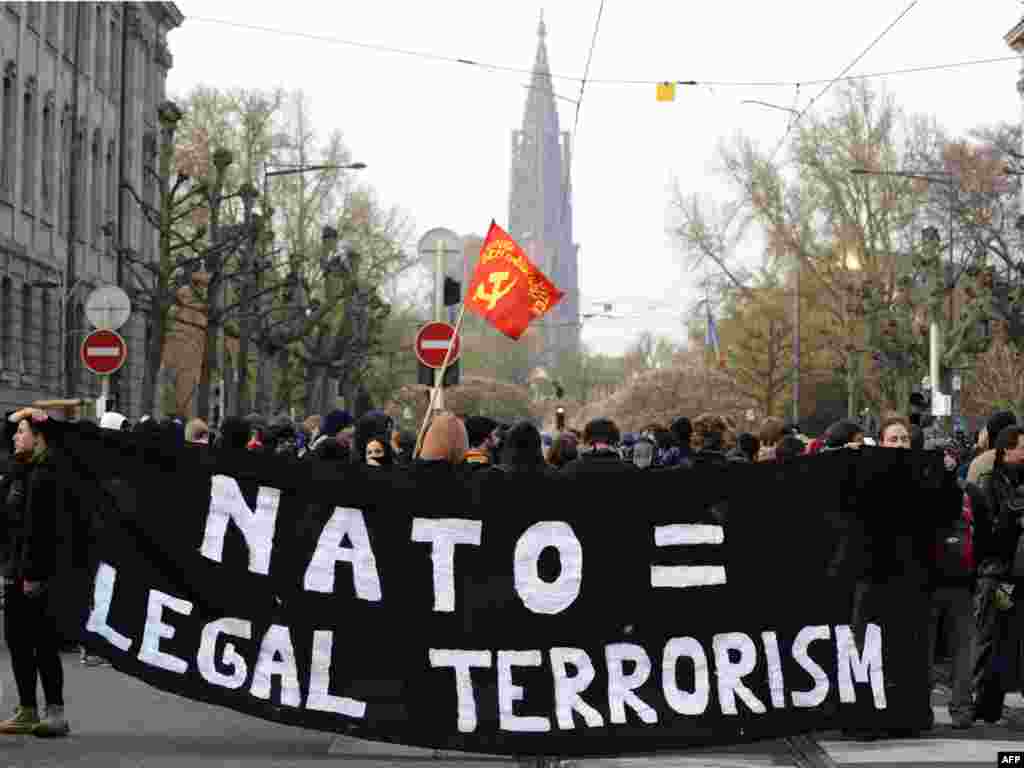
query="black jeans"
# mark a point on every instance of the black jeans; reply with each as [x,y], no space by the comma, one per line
[34,643]
[996,630]
[956,606]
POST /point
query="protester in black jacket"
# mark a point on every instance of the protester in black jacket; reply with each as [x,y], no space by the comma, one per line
[523,451]
[998,618]
[599,455]
[31,506]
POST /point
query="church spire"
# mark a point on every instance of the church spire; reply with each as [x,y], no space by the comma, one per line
[541,71]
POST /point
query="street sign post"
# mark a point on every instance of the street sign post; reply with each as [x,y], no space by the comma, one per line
[104,352]
[108,307]
[432,342]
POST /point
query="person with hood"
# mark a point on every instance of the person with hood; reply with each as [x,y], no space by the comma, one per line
[523,450]
[327,444]
[375,426]
[378,452]
[31,505]
[234,434]
[681,453]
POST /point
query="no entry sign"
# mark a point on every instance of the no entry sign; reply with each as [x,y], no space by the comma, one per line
[104,352]
[432,343]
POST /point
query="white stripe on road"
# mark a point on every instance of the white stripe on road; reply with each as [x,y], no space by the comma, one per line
[103,352]
[434,344]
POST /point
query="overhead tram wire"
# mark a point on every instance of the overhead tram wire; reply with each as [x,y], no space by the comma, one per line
[836,79]
[604,81]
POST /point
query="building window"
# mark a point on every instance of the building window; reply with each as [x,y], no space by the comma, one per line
[64,208]
[46,180]
[111,183]
[100,72]
[70,9]
[52,12]
[115,60]
[78,170]
[97,188]
[147,77]
[6,297]
[28,154]
[79,334]
[44,340]
[32,15]
[27,352]
[7,129]
[85,32]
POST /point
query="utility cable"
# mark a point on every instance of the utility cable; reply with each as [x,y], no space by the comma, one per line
[567,172]
[602,81]
[835,79]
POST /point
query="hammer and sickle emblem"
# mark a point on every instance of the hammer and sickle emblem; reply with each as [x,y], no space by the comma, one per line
[497,293]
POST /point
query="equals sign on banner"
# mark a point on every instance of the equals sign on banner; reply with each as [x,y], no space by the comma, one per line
[681,576]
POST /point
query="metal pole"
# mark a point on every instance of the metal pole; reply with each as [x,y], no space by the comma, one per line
[63,384]
[796,343]
[104,395]
[438,397]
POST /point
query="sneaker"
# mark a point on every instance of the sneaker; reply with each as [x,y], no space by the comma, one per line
[25,720]
[53,724]
[95,661]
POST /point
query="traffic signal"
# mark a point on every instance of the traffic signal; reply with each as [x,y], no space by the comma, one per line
[560,419]
[452,292]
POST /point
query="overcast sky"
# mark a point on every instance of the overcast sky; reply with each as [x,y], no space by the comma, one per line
[436,135]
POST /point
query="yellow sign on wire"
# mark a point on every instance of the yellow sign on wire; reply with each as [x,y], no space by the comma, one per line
[667,91]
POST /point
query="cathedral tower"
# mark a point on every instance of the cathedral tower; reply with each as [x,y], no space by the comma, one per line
[540,207]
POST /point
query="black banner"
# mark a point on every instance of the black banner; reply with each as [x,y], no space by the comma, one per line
[509,613]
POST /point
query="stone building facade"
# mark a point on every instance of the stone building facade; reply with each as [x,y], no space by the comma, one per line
[80,85]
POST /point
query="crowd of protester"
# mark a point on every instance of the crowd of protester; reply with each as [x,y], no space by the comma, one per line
[971,583]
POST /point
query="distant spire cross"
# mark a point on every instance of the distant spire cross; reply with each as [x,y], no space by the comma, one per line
[541,29]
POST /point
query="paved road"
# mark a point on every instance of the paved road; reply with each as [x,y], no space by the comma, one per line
[118,721]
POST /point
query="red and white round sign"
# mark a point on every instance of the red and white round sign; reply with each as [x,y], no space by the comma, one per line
[104,352]
[432,343]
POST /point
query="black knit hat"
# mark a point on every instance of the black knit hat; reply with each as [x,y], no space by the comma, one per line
[997,422]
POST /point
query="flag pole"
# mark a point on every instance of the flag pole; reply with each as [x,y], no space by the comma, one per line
[439,382]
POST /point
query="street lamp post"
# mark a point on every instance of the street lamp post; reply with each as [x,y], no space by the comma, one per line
[931,235]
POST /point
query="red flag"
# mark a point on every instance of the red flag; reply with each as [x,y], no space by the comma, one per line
[507,290]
